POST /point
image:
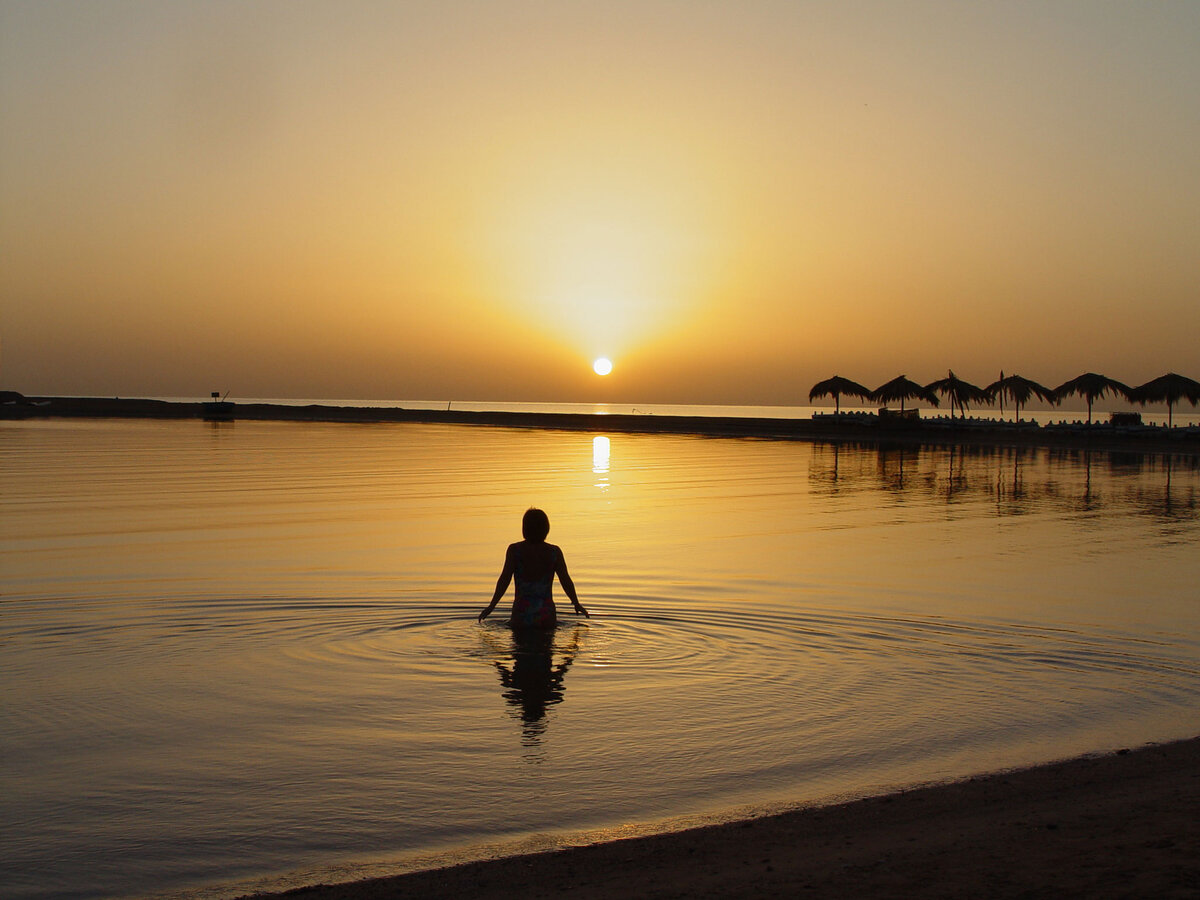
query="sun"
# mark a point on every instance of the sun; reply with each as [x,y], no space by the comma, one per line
[602,366]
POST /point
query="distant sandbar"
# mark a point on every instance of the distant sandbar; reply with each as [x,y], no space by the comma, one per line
[857,427]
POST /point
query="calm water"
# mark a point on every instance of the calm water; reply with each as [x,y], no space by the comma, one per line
[246,654]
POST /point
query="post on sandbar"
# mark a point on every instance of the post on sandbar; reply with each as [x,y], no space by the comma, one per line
[218,408]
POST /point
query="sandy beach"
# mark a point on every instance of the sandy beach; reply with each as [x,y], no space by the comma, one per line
[1117,825]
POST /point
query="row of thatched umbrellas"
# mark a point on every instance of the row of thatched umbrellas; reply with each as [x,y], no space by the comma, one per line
[1169,389]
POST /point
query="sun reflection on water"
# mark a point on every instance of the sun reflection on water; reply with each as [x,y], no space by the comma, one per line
[601,454]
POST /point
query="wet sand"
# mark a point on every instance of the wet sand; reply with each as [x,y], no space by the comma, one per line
[857,428]
[1125,824]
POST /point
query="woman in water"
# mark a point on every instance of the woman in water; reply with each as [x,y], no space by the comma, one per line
[533,563]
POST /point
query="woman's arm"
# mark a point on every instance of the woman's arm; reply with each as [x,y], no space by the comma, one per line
[502,582]
[568,586]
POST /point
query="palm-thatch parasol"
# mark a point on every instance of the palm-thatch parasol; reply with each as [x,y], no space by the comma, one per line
[1090,386]
[903,388]
[836,386]
[960,392]
[1019,390]
[1169,389]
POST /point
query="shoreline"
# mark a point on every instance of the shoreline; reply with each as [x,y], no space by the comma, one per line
[1121,824]
[853,428]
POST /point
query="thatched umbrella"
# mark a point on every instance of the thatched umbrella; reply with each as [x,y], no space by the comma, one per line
[902,388]
[836,386]
[1019,390]
[1168,389]
[1091,386]
[960,392]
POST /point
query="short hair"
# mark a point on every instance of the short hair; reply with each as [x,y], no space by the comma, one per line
[535,525]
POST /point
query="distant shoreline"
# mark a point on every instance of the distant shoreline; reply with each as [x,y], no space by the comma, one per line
[856,427]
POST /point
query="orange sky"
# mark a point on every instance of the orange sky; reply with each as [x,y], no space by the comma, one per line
[460,200]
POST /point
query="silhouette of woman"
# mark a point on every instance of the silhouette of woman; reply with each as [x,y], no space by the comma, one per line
[533,563]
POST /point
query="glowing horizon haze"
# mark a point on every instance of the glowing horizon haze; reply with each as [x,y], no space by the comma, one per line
[729,201]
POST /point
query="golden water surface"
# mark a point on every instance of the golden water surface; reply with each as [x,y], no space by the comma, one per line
[244,654]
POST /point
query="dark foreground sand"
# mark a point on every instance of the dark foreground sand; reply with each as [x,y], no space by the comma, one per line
[1122,825]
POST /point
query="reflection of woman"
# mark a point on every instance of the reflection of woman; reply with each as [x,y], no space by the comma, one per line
[533,563]
[534,682]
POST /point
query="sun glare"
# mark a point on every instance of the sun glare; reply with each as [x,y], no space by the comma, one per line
[602,366]
[598,247]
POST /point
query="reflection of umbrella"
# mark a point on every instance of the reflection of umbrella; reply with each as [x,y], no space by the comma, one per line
[960,392]
[836,386]
[902,388]
[1090,386]
[1168,389]
[1019,390]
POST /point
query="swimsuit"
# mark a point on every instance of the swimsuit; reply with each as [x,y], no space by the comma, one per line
[534,605]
